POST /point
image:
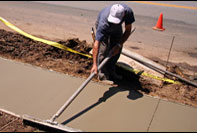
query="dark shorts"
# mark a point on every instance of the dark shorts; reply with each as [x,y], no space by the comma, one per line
[105,47]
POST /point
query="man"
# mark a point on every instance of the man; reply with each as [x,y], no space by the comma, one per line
[110,36]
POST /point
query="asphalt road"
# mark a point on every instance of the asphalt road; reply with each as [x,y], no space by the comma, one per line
[61,20]
[175,10]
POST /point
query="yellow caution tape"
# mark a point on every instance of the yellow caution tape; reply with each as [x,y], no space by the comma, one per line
[58,45]
[148,75]
[55,44]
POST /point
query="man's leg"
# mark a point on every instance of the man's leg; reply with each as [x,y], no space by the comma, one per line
[101,56]
[111,68]
[103,52]
[103,74]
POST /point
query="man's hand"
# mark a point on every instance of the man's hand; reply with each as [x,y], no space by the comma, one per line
[94,69]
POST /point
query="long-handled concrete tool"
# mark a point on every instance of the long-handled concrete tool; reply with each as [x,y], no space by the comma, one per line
[52,123]
[154,67]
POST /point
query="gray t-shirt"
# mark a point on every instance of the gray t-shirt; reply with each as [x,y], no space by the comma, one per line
[105,28]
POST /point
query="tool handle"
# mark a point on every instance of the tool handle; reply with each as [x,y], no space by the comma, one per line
[69,101]
[61,110]
[93,34]
[157,69]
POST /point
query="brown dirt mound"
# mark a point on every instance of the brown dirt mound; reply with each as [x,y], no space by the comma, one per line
[10,123]
[20,48]
[17,47]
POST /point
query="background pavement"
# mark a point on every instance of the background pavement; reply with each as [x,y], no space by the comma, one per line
[63,20]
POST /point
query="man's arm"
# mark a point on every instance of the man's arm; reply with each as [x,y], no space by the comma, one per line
[126,34]
[95,54]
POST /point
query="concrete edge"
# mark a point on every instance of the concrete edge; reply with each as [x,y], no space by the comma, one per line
[47,70]
[41,122]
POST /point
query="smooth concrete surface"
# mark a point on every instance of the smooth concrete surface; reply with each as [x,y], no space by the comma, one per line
[117,113]
[40,93]
[171,117]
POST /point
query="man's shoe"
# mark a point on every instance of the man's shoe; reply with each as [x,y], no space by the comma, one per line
[109,82]
[104,79]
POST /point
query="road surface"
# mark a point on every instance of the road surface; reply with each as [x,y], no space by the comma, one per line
[62,20]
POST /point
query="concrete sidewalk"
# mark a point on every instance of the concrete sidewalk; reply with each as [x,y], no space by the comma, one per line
[40,93]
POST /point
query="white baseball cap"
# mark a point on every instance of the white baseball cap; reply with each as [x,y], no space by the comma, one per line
[116,14]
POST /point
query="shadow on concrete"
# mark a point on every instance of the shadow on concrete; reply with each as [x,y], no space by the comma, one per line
[130,83]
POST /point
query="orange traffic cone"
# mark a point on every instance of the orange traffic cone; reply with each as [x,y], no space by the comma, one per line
[159,25]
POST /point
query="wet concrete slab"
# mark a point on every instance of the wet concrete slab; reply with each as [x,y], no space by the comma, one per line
[171,117]
[117,113]
[40,93]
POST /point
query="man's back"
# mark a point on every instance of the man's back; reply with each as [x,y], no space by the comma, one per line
[106,28]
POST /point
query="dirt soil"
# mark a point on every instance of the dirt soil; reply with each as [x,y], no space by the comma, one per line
[17,47]
[10,123]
